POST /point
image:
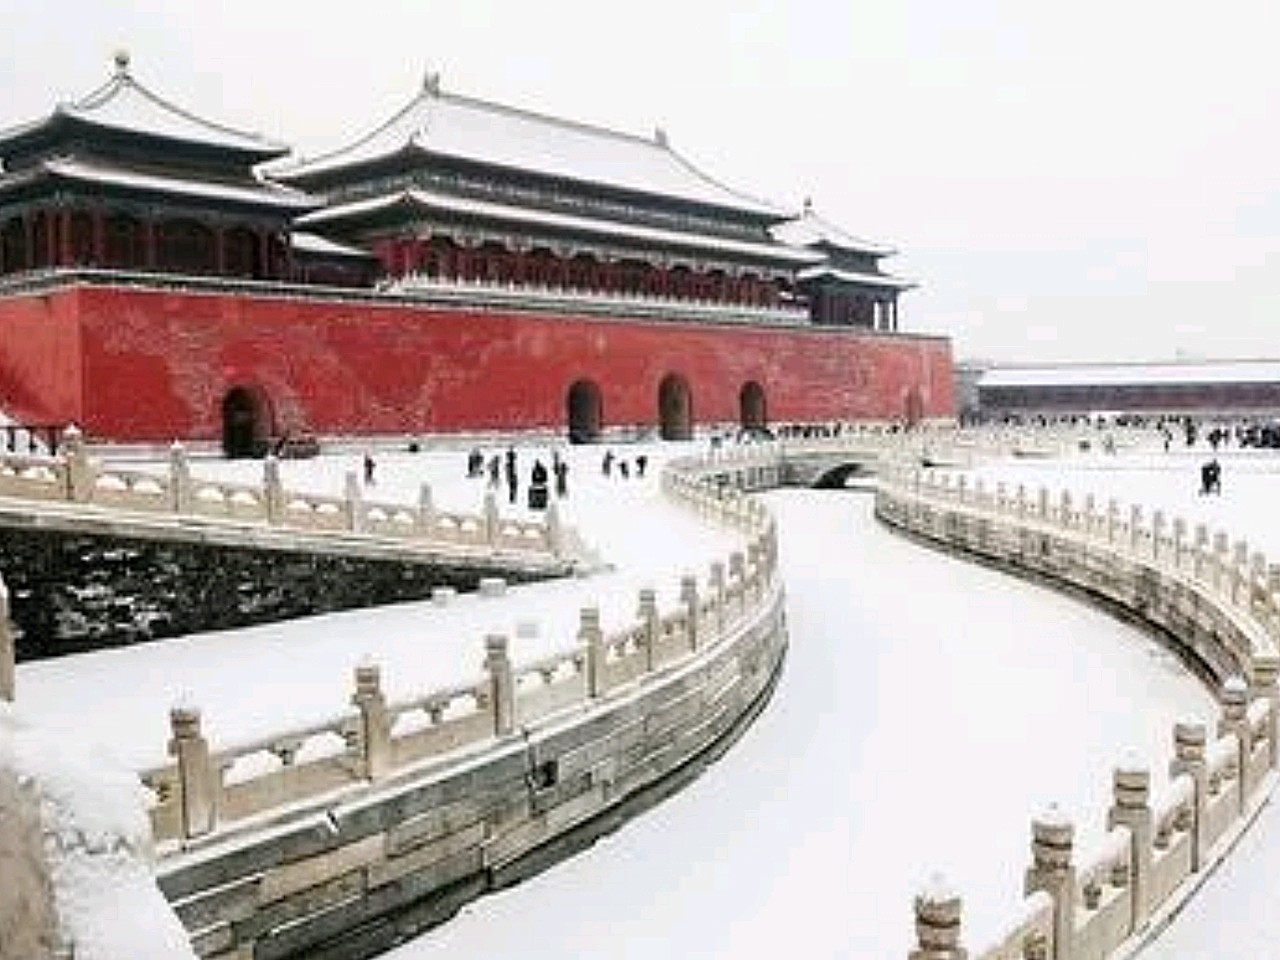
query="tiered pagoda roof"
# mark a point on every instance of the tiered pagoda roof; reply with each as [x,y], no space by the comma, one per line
[845,259]
[122,136]
[440,125]
[811,230]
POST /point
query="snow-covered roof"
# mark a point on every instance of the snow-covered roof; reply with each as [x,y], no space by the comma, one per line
[124,104]
[310,243]
[448,125]
[852,276]
[811,230]
[528,217]
[1137,374]
[257,194]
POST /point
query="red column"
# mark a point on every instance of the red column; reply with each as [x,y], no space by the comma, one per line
[149,242]
[29,233]
[65,257]
[220,251]
[99,239]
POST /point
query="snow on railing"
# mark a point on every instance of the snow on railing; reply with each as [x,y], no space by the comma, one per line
[1221,603]
[203,789]
[74,477]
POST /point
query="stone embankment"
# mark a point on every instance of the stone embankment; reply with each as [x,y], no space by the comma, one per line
[345,838]
[103,557]
[1219,606]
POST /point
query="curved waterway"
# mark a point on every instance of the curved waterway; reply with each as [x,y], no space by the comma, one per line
[928,708]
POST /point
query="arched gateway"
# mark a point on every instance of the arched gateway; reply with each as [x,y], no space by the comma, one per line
[675,408]
[585,411]
[246,423]
[751,406]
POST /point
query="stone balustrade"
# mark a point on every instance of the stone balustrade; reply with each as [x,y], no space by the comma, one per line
[73,477]
[1218,603]
[205,788]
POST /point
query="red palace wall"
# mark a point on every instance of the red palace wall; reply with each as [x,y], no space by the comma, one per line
[156,365]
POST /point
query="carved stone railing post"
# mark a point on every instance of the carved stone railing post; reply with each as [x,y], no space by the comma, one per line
[648,614]
[717,592]
[1218,567]
[1266,673]
[1200,566]
[1042,503]
[1235,719]
[591,640]
[737,578]
[690,602]
[1135,528]
[1113,520]
[1238,570]
[1090,515]
[1189,758]
[375,722]
[179,479]
[1065,510]
[937,911]
[424,520]
[8,654]
[1179,542]
[1051,870]
[353,503]
[555,530]
[196,793]
[272,490]
[492,522]
[502,684]
[1157,533]
[80,478]
[1131,793]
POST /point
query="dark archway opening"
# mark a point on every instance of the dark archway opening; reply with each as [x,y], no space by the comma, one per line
[842,477]
[675,408]
[246,423]
[585,411]
[752,410]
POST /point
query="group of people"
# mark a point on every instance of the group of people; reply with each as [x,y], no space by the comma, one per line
[506,466]
[611,463]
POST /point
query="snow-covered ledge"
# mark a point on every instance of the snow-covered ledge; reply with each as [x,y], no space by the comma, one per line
[1221,608]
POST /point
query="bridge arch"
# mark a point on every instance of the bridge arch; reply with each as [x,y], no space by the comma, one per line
[838,477]
[752,406]
[675,408]
[585,411]
[246,422]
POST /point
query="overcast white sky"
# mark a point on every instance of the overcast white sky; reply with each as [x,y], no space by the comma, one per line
[1084,180]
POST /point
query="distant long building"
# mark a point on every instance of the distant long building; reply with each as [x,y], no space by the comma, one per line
[464,266]
[1249,387]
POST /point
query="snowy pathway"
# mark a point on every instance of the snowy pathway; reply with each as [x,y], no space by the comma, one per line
[928,709]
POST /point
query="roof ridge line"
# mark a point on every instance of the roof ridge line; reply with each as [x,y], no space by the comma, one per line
[102,94]
[349,147]
[513,110]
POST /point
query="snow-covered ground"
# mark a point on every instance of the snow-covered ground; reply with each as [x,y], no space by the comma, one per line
[928,709]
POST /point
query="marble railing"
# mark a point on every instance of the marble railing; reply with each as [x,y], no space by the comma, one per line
[73,477]
[207,788]
[1220,606]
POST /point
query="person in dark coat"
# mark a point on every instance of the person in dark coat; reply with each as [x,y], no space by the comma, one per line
[513,476]
[368,469]
[561,470]
[642,461]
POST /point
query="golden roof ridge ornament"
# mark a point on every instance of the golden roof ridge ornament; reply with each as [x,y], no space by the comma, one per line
[431,82]
[121,60]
